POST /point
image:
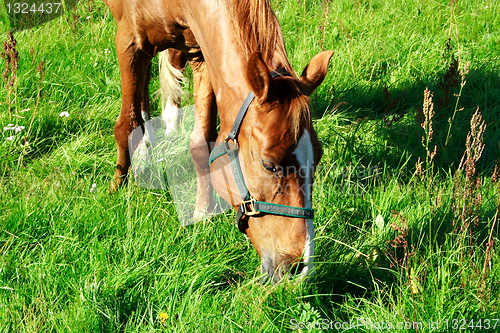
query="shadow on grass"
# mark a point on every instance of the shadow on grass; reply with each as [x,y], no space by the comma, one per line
[398,113]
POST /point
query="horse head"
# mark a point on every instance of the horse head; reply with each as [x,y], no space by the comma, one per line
[278,151]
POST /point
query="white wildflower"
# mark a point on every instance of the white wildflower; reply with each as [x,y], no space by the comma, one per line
[93,189]
[16,128]
[10,138]
[64,114]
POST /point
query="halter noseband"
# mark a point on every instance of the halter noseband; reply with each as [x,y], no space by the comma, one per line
[249,206]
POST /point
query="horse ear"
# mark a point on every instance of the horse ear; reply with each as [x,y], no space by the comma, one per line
[259,76]
[315,71]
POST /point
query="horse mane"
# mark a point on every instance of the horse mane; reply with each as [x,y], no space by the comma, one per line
[259,30]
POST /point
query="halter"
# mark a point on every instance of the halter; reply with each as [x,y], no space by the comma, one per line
[249,206]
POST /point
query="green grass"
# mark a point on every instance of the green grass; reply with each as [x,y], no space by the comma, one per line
[73,260]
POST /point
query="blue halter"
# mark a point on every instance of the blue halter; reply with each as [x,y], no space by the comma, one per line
[249,206]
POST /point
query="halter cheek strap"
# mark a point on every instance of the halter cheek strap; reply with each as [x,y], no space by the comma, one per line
[249,206]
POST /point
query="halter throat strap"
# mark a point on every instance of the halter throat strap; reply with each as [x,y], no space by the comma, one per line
[249,206]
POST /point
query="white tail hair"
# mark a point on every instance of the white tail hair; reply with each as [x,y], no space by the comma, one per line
[171,93]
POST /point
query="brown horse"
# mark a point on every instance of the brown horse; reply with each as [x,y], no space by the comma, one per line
[234,47]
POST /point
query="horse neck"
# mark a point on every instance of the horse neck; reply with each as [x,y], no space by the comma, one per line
[224,56]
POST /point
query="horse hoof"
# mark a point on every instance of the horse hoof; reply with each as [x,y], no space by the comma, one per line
[116,184]
[114,187]
[199,215]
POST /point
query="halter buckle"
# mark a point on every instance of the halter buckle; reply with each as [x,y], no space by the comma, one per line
[248,207]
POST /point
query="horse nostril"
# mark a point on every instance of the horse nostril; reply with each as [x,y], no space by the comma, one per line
[296,269]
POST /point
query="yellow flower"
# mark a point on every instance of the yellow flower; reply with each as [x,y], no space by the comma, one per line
[163,317]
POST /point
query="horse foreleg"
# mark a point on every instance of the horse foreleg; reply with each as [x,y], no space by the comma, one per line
[134,73]
[204,132]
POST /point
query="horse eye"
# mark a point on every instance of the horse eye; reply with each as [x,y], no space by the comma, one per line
[269,166]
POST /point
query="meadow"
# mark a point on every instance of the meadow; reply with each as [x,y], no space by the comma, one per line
[406,196]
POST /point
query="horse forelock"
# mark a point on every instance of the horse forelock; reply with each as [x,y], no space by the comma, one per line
[298,114]
[259,30]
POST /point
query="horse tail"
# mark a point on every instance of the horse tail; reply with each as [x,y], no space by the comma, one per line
[171,92]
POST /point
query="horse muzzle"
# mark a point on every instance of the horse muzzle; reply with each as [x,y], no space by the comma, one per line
[278,267]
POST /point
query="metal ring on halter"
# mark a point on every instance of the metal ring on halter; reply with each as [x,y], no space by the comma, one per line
[227,139]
